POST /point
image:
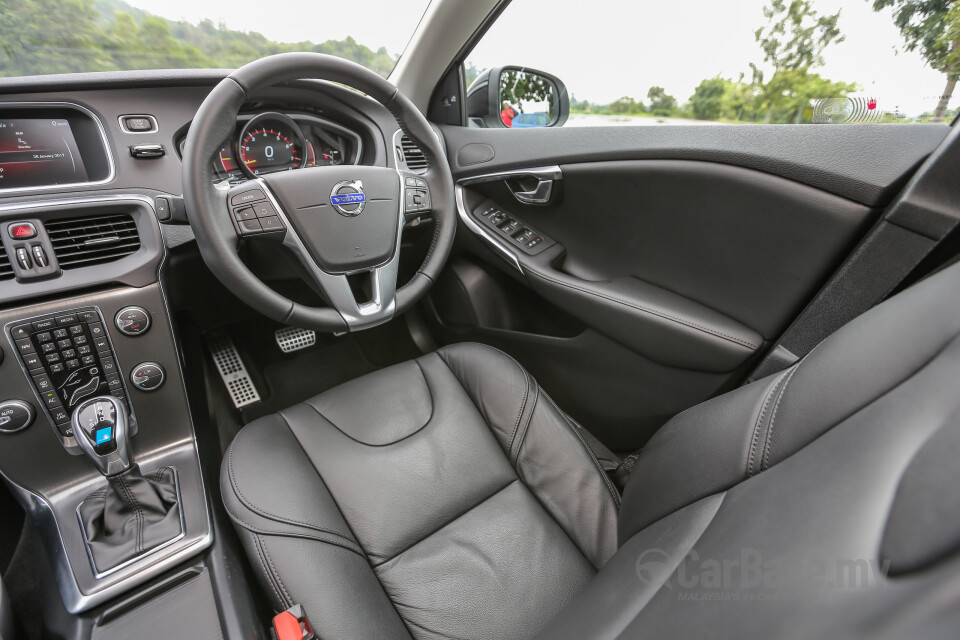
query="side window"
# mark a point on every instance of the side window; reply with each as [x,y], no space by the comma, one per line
[692,62]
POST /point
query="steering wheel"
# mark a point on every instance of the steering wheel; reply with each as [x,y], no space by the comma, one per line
[337,220]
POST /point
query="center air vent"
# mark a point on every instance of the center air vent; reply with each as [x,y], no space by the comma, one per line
[412,155]
[6,269]
[83,242]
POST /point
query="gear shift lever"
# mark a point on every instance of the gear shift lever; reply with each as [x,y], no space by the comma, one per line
[133,513]
[100,426]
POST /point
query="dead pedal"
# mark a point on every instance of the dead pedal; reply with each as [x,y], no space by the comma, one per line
[232,371]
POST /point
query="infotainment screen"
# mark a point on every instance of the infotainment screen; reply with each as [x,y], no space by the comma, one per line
[38,151]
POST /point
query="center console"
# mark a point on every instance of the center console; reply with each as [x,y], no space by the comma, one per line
[96,438]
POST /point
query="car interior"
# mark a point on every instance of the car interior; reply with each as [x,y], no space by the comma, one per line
[450,380]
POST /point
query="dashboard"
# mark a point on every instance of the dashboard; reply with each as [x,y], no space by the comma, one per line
[97,257]
[272,141]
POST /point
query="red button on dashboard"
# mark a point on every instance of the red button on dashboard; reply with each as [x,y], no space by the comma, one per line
[22,231]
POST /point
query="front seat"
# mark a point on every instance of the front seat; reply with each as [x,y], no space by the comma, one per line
[447,497]
[450,498]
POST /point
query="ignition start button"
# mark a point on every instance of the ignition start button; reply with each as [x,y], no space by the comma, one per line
[22,231]
[132,321]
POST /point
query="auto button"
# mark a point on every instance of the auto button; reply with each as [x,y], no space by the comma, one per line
[15,415]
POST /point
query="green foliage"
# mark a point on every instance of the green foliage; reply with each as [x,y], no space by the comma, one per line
[793,40]
[626,105]
[931,27]
[796,35]
[65,36]
[924,26]
[707,99]
[661,104]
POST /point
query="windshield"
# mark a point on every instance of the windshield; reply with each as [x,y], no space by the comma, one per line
[40,37]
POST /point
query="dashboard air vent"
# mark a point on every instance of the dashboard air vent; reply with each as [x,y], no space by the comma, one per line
[412,155]
[83,242]
[6,269]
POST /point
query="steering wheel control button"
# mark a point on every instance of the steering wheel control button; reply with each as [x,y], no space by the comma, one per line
[416,199]
[247,213]
[264,210]
[15,415]
[131,321]
[271,223]
[247,197]
[22,231]
[147,376]
[249,227]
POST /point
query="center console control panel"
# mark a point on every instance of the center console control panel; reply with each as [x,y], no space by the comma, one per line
[515,233]
[68,357]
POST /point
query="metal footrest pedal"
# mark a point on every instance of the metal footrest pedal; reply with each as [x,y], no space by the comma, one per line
[291,339]
[232,371]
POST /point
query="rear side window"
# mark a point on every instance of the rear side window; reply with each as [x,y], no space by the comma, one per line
[737,62]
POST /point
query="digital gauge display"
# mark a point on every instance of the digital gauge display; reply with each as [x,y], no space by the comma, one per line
[37,152]
[270,142]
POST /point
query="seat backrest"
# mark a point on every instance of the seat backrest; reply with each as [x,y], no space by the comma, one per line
[820,502]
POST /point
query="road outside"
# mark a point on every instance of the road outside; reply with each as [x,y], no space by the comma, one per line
[594,120]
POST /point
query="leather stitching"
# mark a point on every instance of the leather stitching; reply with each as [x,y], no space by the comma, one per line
[773,418]
[596,463]
[433,407]
[335,541]
[447,524]
[138,514]
[514,457]
[273,570]
[756,427]
[654,312]
[523,405]
[258,546]
[266,514]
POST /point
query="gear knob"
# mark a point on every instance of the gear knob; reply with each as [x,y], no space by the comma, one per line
[100,426]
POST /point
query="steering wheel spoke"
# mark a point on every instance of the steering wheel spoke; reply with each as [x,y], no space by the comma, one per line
[382,279]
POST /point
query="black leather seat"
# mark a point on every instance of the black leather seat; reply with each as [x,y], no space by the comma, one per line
[446,497]
[450,498]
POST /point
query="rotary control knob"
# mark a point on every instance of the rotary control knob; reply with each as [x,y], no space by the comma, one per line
[132,321]
[15,415]
[148,376]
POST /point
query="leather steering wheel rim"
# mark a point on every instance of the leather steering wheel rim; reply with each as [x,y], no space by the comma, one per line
[210,216]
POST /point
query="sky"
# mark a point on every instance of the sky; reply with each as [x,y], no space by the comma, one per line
[605,49]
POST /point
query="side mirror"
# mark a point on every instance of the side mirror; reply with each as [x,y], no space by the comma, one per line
[517,97]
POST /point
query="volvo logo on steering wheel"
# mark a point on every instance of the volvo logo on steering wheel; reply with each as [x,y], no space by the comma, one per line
[347,197]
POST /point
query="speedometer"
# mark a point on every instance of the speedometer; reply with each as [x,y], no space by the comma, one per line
[271,142]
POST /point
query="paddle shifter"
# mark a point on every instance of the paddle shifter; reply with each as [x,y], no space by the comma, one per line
[133,514]
[100,426]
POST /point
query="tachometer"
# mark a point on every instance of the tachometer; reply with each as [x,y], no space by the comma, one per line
[271,142]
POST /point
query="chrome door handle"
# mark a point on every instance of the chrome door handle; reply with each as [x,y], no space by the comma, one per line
[538,195]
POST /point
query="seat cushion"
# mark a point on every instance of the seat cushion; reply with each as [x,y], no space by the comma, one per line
[446,497]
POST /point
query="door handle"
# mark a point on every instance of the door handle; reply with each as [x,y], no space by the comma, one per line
[540,194]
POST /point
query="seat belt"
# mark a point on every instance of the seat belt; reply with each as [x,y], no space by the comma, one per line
[920,218]
[292,624]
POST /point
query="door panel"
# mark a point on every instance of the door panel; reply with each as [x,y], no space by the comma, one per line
[677,255]
[751,246]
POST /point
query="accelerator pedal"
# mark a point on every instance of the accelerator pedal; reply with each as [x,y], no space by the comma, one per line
[291,339]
